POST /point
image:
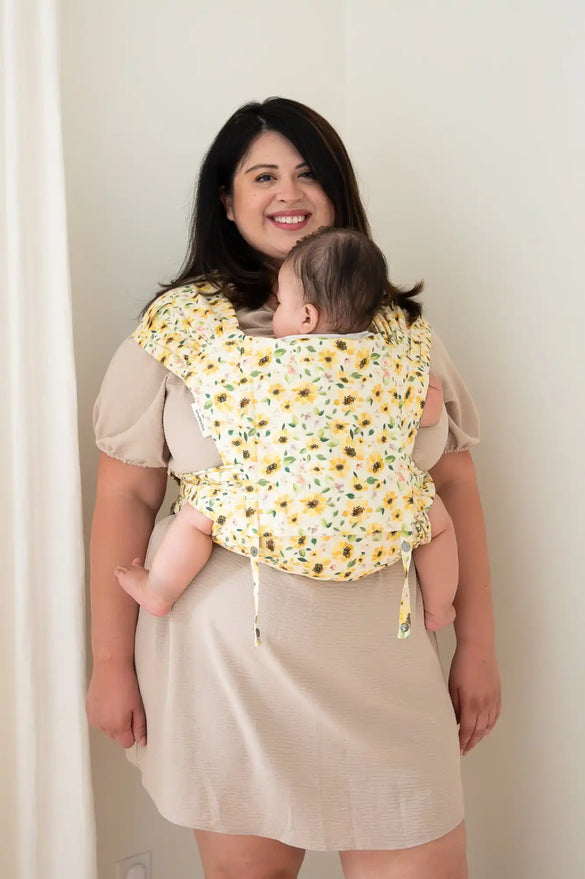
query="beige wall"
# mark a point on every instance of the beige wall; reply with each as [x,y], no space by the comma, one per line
[466,122]
[462,121]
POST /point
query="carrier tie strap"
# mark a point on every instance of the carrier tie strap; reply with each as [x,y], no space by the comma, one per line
[404,620]
[256,580]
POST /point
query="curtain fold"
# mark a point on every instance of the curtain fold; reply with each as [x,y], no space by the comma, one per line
[54,835]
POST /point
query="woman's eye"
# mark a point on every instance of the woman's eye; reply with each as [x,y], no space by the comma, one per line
[308,173]
[262,178]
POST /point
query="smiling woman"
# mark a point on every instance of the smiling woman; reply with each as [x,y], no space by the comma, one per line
[274,204]
[334,735]
[275,172]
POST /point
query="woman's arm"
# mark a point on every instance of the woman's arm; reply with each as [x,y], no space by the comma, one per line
[474,681]
[128,499]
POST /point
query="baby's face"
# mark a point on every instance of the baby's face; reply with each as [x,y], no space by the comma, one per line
[290,316]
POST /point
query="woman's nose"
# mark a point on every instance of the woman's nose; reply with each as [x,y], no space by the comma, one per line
[289,190]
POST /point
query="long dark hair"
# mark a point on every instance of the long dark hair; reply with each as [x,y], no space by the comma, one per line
[216,249]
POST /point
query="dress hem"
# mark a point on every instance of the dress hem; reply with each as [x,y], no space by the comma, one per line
[289,838]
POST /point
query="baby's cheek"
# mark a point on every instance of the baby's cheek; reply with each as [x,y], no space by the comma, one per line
[276,323]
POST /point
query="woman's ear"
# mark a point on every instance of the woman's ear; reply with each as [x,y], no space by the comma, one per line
[227,201]
[310,318]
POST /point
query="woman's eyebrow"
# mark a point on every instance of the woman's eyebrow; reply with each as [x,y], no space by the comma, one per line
[275,167]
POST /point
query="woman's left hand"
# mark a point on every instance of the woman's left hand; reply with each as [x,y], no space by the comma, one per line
[474,685]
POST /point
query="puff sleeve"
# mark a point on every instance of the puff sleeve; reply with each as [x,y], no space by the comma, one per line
[128,413]
[463,418]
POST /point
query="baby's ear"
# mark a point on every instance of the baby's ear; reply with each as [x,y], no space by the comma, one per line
[310,318]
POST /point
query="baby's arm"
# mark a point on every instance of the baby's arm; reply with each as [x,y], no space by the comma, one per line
[437,567]
[433,402]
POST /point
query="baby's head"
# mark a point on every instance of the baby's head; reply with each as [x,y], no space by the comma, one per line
[333,281]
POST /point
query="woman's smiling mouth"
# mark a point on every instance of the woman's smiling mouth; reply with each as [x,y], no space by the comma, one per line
[290,221]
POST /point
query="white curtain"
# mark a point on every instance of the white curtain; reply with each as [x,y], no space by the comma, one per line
[45,752]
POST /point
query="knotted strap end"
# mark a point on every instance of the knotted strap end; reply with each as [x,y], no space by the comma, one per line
[404,621]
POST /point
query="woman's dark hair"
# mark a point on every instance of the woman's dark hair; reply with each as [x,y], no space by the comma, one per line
[216,249]
[345,275]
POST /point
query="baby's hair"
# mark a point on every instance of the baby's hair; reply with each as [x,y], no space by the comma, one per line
[345,275]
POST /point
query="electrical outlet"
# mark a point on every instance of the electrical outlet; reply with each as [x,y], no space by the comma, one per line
[135,867]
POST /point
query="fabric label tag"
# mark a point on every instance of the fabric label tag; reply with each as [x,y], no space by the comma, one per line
[200,421]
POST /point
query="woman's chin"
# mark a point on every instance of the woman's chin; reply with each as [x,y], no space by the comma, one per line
[283,242]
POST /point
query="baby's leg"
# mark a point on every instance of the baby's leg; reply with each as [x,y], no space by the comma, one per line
[183,551]
[438,568]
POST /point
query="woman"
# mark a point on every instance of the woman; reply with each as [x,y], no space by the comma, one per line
[334,735]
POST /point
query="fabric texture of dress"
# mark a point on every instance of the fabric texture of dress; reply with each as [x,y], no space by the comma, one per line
[335,735]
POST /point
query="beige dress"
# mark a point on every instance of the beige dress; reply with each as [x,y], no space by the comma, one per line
[334,734]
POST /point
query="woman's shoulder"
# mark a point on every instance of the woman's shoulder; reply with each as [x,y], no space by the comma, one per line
[441,361]
[462,412]
[187,310]
[404,334]
[198,305]
[181,297]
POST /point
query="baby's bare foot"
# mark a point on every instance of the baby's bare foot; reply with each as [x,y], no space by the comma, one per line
[135,581]
[439,618]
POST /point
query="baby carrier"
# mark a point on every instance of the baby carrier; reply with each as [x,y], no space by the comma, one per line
[315,435]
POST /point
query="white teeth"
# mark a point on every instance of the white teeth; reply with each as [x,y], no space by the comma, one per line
[290,220]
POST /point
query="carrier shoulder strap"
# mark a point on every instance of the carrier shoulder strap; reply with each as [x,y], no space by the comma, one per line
[181,323]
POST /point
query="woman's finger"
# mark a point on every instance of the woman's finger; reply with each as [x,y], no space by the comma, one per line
[494,715]
[454,693]
[139,725]
[481,729]
[467,725]
[124,738]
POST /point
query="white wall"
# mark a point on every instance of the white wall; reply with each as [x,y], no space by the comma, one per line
[466,121]
[463,122]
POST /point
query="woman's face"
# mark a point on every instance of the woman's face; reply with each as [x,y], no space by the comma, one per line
[275,199]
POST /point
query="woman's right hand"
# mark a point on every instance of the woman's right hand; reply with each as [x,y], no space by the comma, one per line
[114,704]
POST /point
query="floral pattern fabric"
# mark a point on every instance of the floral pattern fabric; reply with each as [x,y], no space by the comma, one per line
[315,435]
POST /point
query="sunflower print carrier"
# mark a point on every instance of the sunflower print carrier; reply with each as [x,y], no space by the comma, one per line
[315,434]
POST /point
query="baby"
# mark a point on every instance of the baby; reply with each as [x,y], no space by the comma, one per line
[331,284]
